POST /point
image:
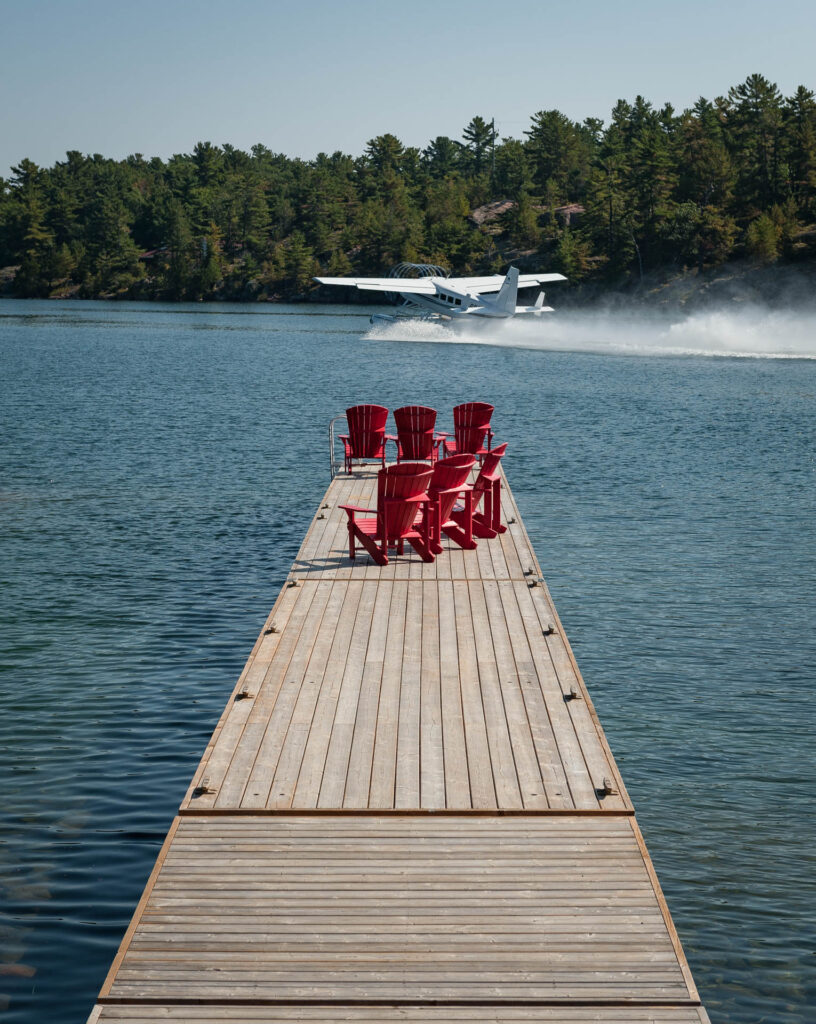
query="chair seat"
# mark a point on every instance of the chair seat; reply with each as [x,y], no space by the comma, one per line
[352,454]
[451,449]
[367,526]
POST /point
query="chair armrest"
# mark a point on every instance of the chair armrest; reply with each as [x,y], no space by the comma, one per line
[351,509]
[451,490]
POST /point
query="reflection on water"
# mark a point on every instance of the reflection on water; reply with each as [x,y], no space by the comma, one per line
[159,467]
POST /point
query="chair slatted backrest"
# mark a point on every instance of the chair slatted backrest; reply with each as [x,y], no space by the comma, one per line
[489,471]
[366,425]
[471,422]
[415,430]
[403,481]
[450,475]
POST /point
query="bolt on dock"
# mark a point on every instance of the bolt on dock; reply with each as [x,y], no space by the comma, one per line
[408,811]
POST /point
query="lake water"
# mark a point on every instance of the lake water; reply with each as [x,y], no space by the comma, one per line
[159,467]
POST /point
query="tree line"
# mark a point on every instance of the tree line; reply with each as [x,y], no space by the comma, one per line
[608,201]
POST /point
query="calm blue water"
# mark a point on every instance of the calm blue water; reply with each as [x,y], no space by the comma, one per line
[159,466]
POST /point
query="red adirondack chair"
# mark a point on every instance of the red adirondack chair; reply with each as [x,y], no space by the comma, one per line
[471,426]
[366,436]
[415,433]
[486,492]
[449,482]
[401,514]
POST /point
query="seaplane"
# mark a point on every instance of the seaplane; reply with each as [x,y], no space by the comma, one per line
[436,297]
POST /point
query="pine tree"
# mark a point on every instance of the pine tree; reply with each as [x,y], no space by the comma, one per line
[800,122]
[754,129]
[559,153]
[480,137]
[441,157]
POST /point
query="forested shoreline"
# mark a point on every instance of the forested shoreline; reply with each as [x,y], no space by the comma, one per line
[650,191]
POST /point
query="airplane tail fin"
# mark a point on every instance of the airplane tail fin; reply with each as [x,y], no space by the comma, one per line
[505,301]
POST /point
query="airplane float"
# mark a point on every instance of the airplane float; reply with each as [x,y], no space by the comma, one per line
[435,297]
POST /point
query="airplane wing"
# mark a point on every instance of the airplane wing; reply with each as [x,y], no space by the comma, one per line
[481,285]
[400,285]
[427,285]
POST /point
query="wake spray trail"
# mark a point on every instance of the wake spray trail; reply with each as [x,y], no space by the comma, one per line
[750,332]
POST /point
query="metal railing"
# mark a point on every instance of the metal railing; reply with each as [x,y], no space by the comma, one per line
[332,456]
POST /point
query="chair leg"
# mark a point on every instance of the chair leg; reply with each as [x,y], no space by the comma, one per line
[352,552]
[469,520]
[422,549]
[435,533]
[422,541]
[481,521]
[496,522]
[378,553]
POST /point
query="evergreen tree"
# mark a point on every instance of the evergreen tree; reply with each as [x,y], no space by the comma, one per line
[513,171]
[800,122]
[480,137]
[729,177]
[754,130]
[559,153]
[441,156]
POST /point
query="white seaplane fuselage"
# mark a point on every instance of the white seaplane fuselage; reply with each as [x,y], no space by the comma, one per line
[450,299]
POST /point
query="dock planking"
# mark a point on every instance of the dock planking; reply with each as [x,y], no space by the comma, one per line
[412,686]
[409,804]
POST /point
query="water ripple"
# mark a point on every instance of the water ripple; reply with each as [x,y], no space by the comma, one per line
[155,481]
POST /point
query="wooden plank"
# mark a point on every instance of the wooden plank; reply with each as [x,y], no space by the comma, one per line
[453,847]
[316,545]
[333,782]
[431,755]
[312,765]
[403,1013]
[457,775]
[583,710]
[283,784]
[505,775]
[407,793]
[384,767]
[231,724]
[547,746]
[531,784]
[529,947]
[238,761]
[581,752]
[515,567]
[267,754]
[482,788]
[358,779]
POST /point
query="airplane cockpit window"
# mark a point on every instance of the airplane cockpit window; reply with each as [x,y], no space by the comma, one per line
[458,302]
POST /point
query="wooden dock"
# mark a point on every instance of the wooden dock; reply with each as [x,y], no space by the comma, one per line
[408,811]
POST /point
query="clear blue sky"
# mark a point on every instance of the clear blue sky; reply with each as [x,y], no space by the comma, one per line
[156,76]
